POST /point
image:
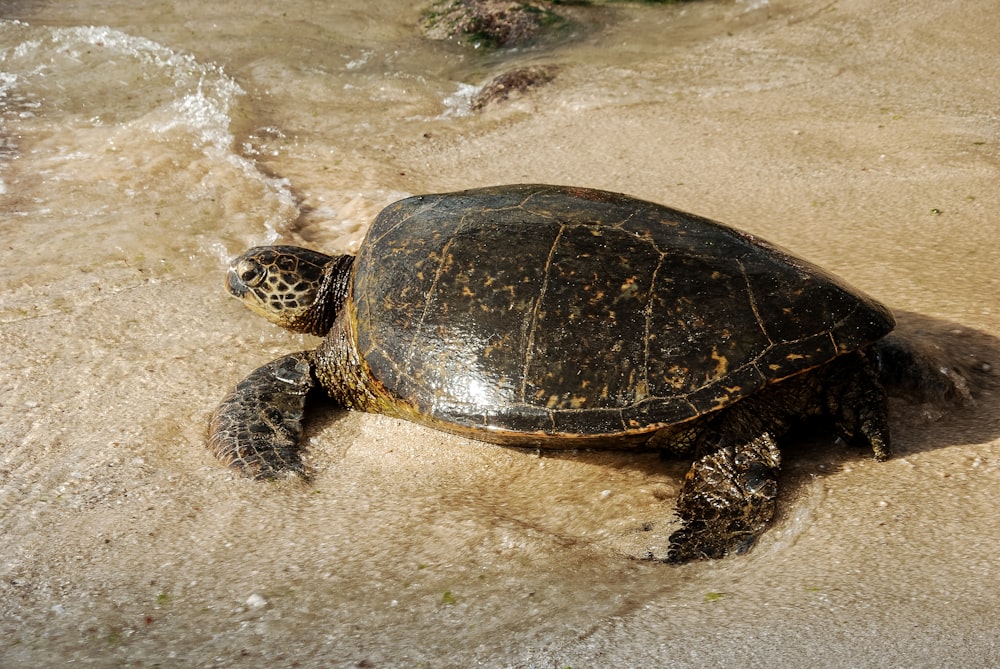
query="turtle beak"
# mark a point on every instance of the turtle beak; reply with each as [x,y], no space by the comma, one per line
[234,285]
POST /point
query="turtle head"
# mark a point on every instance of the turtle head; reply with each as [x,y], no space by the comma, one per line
[299,289]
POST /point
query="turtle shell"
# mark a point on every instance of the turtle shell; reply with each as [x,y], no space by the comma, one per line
[568,312]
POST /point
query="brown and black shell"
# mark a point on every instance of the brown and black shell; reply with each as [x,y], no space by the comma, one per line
[566,312]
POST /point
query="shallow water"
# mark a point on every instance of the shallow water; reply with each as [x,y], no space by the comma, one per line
[141,146]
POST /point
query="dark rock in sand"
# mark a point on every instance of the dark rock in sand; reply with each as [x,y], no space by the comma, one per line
[496,23]
[512,84]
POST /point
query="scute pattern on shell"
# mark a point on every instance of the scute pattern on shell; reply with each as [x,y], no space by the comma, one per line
[644,316]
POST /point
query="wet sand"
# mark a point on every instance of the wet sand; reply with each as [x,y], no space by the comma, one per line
[861,137]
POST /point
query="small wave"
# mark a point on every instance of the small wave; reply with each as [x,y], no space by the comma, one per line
[459,103]
[99,91]
[456,104]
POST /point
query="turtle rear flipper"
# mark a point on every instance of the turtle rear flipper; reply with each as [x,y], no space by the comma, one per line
[727,500]
[257,427]
[922,371]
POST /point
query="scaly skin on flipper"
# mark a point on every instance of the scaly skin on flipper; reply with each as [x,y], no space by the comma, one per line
[257,427]
[727,500]
[729,494]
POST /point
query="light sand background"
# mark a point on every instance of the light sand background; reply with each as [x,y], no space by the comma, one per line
[136,157]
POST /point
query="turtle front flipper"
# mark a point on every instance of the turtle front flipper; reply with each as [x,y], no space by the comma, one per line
[727,500]
[257,427]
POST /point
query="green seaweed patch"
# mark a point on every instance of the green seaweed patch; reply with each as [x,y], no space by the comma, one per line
[714,596]
[448,598]
[492,24]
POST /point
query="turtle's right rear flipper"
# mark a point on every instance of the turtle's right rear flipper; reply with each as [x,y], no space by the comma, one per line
[921,369]
[257,427]
[727,500]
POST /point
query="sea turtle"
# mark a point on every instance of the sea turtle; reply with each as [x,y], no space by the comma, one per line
[559,317]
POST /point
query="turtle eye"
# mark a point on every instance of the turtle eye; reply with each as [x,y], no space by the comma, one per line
[250,273]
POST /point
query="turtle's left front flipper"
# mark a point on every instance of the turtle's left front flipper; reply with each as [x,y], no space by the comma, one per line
[727,500]
[257,427]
